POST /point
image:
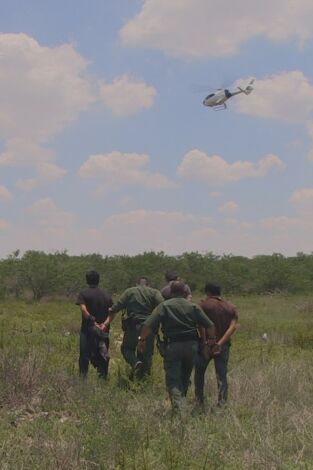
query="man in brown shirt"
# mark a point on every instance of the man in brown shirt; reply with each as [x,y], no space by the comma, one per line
[224,316]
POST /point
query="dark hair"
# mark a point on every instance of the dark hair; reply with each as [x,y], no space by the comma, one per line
[142,281]
[178,288]
[171,276]
[92,278]
[212,289]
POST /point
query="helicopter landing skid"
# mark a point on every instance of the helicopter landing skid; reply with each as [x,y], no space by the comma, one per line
[221,107]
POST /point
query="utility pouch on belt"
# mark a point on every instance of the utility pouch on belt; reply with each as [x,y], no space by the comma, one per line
[161,345]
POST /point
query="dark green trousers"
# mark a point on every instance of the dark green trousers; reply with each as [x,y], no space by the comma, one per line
[130,353]
[179,360]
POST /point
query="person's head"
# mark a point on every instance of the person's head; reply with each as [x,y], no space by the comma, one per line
[212,289]
[92,278]
[171,276]
[142,281]
[178,289]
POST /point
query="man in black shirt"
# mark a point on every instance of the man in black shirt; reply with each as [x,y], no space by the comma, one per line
[94,334]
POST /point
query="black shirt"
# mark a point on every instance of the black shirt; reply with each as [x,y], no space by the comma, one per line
[97,301]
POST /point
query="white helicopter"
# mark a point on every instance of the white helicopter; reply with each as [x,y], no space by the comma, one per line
[217,100]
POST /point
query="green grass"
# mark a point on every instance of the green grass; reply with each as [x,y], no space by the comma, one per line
[49,419]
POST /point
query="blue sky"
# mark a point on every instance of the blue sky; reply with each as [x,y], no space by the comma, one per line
[105,145]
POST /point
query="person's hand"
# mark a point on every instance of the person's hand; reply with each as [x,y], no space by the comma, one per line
[103,327]
[216,349]
[211,341]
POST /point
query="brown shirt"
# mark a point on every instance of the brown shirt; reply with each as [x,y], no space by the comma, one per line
[220,312]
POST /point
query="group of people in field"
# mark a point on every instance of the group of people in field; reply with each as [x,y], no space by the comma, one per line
[192,335]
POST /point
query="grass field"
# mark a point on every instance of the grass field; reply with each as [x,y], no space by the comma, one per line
[49,419]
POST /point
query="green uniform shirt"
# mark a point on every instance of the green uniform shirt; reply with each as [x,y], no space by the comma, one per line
[178,317]
[139,301]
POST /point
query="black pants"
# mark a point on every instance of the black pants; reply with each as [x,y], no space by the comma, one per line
[100,364]
[220,363]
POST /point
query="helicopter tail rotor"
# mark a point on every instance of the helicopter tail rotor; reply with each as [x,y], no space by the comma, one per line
[248,90]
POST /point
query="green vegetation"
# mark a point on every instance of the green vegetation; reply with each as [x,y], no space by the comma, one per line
[50,419]
[36,275]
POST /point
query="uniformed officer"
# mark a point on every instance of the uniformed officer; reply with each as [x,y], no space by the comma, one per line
[139,302]
[179,320]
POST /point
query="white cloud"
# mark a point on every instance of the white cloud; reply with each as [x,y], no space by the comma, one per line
[148,217]
[5,194]
[309,126]
[118,169]
[215,194]
[43,90]
[4,224]
[143,230]
[136,231]
[310,155]
[214,170]
[23,153]
[202,28]
[287,96]
[126,96]
[302,200]
[50,218]
[229,207]
[279,223]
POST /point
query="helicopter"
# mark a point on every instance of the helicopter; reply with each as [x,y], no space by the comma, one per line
[217,100]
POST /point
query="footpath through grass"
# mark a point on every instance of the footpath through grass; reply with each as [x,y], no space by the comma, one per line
[49,419]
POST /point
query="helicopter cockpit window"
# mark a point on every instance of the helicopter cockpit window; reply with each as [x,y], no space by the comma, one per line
[209,96]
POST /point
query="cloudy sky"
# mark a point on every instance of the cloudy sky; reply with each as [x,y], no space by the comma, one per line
[105,145]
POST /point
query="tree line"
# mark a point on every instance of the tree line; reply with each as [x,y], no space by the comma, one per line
[35,274]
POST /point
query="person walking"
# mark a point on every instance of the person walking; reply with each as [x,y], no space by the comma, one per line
[94,304]
[138,301]
[170,277]
[224,316]
[179,320]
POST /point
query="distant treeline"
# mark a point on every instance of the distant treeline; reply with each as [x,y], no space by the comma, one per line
[58,275]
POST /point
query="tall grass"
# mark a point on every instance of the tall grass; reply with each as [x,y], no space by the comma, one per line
[50,419]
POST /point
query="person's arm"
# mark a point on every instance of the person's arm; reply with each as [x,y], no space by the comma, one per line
[210,335]
[105,325]
[231,329]
[121,304]
[206,327]
[145,332]
[158,298]
[208,341]
[86,314]
[151,325]
[107,321]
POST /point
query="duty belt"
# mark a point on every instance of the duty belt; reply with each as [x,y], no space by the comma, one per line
[185,337]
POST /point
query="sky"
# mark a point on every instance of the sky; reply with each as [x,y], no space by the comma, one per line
[105,145]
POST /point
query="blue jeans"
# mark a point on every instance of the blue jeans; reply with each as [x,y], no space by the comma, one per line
[220,363]
[101,365]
